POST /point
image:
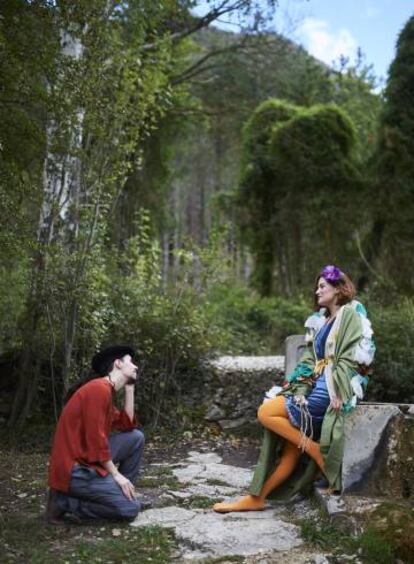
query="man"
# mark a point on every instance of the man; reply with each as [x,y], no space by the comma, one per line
[84,479]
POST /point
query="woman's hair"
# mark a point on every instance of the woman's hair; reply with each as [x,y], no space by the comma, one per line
[335,277]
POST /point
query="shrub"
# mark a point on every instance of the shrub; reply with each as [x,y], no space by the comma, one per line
[394,363]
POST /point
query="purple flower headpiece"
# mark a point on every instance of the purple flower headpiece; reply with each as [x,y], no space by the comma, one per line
[331,273]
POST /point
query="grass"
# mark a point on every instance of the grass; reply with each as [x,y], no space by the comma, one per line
[25,536]
[155,482]
[224,560]
[215,482]
[201,502]
[371,547]
[29,540]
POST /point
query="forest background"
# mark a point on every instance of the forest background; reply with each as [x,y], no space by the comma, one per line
[177,187]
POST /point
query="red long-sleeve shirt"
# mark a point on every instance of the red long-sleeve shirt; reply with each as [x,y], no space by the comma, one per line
[82,432]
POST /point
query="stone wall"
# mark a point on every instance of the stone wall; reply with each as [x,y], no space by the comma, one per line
[235,387]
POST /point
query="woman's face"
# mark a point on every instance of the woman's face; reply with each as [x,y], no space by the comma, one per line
[326,294]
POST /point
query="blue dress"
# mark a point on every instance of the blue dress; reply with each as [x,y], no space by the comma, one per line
[318,400]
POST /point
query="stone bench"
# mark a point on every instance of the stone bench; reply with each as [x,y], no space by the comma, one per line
[379,447]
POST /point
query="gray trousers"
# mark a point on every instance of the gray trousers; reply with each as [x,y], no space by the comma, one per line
[92,496]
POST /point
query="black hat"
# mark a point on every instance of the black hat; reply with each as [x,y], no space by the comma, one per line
[101,362]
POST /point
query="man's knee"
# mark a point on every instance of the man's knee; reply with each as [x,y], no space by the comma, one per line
[138,438]
[128,511]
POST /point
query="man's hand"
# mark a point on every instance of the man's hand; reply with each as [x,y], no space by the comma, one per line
[126,486]
[336,404]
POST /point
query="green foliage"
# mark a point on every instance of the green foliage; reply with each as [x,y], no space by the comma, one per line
[303,175]
[258,130]
[376,548]
[371,545]
[252,324]
[394,333]
[393,185]
[169,327]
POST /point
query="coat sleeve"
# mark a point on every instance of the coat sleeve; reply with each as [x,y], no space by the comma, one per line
[345,367]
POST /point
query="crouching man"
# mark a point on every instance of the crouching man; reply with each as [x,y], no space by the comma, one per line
[92,470]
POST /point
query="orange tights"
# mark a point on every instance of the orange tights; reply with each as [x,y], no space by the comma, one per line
[273,415]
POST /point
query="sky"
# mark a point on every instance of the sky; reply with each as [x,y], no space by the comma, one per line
[331,28]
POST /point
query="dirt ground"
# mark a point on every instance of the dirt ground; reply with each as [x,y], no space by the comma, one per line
[24,534]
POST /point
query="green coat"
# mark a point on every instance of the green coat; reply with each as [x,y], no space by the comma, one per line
[344,337]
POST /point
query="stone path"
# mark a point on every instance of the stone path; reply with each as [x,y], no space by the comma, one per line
[261,537]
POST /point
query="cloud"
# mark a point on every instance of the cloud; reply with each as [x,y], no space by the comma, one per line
[372,11]
[325,44]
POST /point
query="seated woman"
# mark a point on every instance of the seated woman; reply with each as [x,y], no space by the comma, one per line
[315,400]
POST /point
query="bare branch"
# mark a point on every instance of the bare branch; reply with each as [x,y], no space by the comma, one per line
[225,7]
[198,67]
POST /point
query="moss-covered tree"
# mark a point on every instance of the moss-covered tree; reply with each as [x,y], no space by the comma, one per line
[298,192]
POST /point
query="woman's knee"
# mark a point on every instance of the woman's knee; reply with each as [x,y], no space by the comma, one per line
[273,408]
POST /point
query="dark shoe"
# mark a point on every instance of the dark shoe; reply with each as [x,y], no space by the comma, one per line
[54,513]
[145,504]
[321,483]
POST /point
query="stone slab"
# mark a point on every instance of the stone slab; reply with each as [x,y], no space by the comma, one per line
[248,363]
[203,457]
[234,476]
[213,535]
[294,347]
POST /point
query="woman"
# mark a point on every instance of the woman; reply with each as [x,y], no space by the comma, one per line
[313,404]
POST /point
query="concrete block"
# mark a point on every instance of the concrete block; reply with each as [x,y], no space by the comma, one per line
[294,347]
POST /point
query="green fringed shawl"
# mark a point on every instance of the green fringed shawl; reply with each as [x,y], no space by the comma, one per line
[342,341]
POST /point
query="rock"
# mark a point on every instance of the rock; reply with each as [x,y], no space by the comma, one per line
[213,535]
[214,413]
[203,457]
[173,494]
[233,476]
[364,430]
[318,559]
[240,383]
[207,490]
[394,523]
[228,424]
[231,364]
[378,456]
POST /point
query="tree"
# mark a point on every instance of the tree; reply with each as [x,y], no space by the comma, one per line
[98,82]
[297,191]
[102,97]
[391,243]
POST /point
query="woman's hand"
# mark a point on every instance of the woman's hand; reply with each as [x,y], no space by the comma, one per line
[336,404]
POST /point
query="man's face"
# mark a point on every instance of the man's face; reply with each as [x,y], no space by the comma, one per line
[128,369]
